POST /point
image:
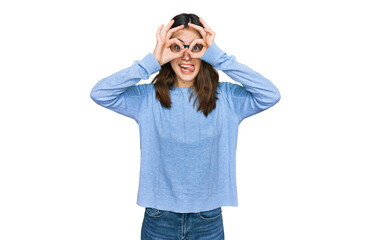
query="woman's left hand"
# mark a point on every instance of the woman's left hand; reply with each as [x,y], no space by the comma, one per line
[207,39]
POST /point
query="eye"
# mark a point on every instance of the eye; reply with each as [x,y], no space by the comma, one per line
[175,48]
[197,48]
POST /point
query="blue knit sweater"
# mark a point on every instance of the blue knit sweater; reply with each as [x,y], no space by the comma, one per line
[188,161]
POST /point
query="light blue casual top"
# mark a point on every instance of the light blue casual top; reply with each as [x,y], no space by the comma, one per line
[188,161]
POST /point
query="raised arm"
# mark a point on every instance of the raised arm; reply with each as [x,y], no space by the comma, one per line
[256,94]
[119,92]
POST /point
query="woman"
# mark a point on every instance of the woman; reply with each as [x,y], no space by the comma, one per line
[188,148]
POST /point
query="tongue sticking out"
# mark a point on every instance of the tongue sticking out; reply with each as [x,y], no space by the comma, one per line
[190,68]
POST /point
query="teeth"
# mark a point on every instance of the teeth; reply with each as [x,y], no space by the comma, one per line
[187,67]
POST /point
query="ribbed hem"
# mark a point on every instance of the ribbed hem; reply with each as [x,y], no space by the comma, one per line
[186,206]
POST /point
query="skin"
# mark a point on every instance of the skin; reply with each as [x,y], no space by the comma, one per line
[191,36]
[186,36]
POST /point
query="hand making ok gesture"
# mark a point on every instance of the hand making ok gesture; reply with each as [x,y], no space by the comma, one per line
[207,39]
[162,51]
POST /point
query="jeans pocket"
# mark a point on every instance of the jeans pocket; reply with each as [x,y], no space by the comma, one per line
[154,212]
[211,214]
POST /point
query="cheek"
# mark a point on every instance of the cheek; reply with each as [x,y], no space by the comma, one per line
[173,65]
[198,66]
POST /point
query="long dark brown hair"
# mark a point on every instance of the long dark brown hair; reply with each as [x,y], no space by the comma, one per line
[204,85]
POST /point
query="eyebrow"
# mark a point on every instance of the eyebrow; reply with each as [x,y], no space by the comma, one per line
[182,40]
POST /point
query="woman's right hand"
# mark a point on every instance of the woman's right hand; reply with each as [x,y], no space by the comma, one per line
[162,51]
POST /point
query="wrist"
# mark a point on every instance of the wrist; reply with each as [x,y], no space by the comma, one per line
[158,60]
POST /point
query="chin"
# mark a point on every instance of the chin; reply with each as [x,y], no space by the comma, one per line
[188,77]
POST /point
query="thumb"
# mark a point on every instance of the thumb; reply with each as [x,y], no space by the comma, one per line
[180,53]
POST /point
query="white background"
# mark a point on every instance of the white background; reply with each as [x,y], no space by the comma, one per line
[70,168]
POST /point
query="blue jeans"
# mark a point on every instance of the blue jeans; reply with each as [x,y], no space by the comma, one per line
[166,225]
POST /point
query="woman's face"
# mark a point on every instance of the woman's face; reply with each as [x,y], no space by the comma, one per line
[185,77]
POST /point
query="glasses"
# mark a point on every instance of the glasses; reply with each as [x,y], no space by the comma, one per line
[196,48]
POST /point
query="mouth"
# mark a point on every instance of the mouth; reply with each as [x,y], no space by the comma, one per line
[187,68]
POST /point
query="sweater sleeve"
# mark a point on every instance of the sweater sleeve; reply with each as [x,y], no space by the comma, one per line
[256,94]
[119,92]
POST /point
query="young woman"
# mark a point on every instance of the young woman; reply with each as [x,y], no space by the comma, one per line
[188,124]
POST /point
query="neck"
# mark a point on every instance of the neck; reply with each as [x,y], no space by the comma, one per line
[181,83]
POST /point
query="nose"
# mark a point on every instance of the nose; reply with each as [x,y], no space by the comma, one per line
[186,54]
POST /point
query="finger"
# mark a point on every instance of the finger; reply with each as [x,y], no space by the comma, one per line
[180,53]
[168,35]
[175,54]
[200,29]
[209,31]
[175,41]
[169,24]
[204,23]
[167,27]
[195,55]
[197,41]
[159,30]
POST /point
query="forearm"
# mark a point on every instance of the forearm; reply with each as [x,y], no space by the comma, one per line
[108,89]
[261,88]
